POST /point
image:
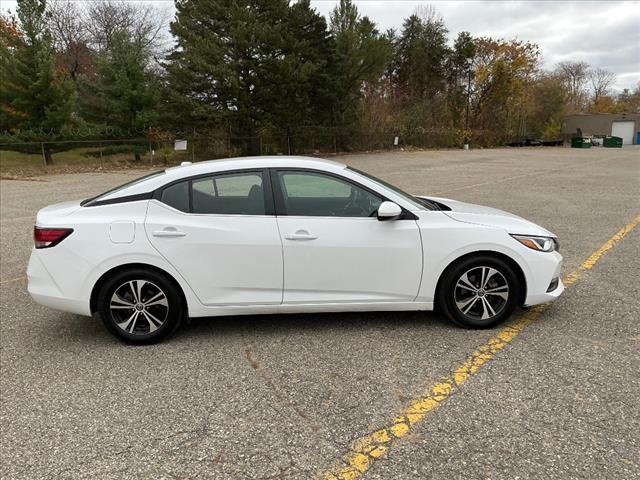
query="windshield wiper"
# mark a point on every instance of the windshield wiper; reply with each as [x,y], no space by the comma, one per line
[427,203]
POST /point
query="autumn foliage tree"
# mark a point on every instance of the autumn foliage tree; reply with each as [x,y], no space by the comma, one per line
[251,69]
[10,42]
[35,95]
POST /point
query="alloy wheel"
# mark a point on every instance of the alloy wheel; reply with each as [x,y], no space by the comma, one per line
[139,307]
[481,293]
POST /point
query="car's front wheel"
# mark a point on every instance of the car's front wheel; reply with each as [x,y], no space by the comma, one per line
[140,306]
[479,292]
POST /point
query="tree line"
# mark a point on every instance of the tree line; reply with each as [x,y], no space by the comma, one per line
[268,68]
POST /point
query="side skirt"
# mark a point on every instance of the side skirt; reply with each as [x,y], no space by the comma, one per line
[202,311]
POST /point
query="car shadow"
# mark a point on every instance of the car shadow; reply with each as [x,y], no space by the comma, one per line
[84,332]
[310,322]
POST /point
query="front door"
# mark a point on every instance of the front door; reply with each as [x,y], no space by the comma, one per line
[335,249]
[216,232]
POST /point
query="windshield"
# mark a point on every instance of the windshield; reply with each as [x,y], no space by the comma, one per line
[121,187]
[417,202]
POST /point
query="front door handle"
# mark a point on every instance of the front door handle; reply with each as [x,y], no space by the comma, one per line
[169,232]
[300,235]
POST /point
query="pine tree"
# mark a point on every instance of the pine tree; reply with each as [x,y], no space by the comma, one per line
[124,93]
[249,64]
[34,95]
[460,76]
[420,70]
[362,54]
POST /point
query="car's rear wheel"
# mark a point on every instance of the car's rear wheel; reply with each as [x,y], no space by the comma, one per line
[479,292]
[140,306]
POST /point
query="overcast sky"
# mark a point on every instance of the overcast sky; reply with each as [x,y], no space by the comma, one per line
[604,33]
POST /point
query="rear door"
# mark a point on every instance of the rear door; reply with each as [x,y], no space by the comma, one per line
[335,248]
[219,231]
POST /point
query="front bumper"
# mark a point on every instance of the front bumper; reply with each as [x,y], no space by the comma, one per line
[545,267]
[547,296]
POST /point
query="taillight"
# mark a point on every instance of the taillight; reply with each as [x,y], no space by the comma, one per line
[48,237]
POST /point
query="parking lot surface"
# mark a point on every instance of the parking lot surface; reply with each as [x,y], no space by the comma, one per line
[286,396]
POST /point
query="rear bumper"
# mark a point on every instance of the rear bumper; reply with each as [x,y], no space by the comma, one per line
[45,291]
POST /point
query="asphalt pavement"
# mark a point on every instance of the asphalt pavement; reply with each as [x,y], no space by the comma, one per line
[286,396]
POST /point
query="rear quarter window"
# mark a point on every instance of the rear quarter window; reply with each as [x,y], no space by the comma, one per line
[89,201]
[177,196]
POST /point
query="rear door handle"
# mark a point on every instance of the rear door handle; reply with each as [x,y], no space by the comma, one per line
[168,232]
[300,235]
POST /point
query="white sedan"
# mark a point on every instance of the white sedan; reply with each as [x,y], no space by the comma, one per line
[282,235]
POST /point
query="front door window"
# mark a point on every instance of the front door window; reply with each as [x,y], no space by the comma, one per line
[311,194]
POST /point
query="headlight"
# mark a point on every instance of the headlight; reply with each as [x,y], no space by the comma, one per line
[542,244]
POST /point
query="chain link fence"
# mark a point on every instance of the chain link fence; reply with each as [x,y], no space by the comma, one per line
[155,147]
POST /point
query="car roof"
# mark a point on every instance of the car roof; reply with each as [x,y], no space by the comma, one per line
[273,161]
[187,170]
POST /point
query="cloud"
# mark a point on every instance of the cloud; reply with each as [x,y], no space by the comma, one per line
[605,34]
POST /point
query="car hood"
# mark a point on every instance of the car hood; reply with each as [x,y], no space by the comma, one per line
[491,217]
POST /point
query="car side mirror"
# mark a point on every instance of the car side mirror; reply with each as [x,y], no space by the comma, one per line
[389,211]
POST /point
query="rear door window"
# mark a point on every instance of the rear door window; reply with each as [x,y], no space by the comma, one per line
[232,194]
[239,193]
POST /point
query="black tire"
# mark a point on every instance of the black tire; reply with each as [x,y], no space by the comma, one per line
[479,309]
[149,320]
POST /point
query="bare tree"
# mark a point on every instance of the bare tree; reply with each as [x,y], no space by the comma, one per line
[428,14]
[601,81]
[144,24]
[66,23]
[575,76]
[79,32]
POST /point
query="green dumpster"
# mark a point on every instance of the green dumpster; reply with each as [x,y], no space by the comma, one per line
[580,142]
[612,142]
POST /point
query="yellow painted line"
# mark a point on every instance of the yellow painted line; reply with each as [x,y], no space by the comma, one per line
[15,219]
[366,450]
[12,280]
[505,179]
[500,180]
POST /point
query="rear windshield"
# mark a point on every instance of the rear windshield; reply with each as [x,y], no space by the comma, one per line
[87,202]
